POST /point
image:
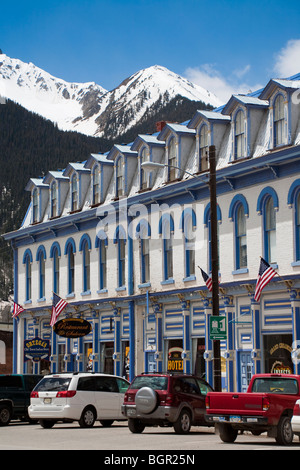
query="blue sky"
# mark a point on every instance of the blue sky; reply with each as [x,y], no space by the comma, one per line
[225,46]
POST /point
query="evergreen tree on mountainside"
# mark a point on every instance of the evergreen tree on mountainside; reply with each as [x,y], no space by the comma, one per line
[30,146]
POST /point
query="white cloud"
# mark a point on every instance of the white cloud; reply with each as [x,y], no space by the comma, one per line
[208,77]
[287,60]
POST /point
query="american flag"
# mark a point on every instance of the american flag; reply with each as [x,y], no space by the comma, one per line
[265,274]
[17,310]
[57,307]
[207,279]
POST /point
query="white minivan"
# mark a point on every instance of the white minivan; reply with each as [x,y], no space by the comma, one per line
[83,397]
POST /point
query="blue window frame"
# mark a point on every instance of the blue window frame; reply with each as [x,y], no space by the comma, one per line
[27,260]
[145,256]
[188,226]
[86,267]
[166,230]
[41,263]
[71,268]
[297,226]
[56,271]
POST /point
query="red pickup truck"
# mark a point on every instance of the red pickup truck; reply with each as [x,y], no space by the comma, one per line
[267,406]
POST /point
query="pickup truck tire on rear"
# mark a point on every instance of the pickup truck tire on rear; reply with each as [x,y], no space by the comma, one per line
[135,426]
[284,431]
[227,432]
[5,415]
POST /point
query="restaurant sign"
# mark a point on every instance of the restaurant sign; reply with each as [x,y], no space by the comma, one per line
[72,327]
[36,349]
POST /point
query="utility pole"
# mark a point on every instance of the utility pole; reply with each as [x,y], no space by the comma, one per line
[214,262]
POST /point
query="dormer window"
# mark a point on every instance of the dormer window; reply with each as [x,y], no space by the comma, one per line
[74,193]
[96,185]
[239,135]
[279,121]
[203,150]
[53,199]
[172,160]
[120,178]
[35,206]
[144,178]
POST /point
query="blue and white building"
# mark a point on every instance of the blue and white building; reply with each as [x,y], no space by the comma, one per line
[124,247]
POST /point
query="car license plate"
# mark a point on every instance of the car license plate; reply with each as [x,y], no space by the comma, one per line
[235,419]
[131,412]
[47,401]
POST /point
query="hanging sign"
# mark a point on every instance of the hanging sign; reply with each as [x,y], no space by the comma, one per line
[72,327]
[36,349]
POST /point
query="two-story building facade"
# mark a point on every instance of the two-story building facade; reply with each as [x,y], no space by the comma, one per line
[124,247]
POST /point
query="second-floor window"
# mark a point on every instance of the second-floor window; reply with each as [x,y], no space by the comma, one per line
[86,267]
[241,238]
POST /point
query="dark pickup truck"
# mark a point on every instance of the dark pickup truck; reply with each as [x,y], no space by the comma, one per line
[267,406]
[15,392]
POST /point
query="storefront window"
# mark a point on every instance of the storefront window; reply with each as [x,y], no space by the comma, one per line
[277,353]
[106,357]
[199,348]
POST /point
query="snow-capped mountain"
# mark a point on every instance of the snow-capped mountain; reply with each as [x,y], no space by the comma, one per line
[87,107]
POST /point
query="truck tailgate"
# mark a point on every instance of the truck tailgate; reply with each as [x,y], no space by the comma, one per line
[234,403]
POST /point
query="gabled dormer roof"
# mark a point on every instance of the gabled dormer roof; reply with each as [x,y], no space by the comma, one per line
[207,115]
[118,149]
[98,158]
[292,83]
[55,175]
[174,128]
[148,139]
[245,100]
[78,167]
[36,183]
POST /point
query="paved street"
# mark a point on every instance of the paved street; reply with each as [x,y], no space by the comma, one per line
[21,436]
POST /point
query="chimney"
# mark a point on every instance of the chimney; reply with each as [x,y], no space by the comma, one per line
[160,125]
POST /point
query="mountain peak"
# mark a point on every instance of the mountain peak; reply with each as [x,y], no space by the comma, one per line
[89,108]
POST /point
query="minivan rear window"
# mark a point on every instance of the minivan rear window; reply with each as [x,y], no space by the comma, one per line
[157,383]
[53,384]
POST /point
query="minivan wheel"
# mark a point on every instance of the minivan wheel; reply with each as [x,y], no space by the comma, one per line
[135,426]
[87,419]
[183,423]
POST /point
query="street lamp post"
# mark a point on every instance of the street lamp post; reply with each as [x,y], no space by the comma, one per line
[214,249]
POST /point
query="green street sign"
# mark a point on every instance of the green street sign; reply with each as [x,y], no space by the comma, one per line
[217,327]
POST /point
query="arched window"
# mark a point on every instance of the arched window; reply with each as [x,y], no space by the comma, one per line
[27,260]
[172,160]
[279,121]
[55,271]
[239,135]
[120,241]
[166,230]
[70,252]
[203,151]
[41,264]
[86,267]
[74,193]
[144,235]
[241,238]
[53,199]
[188,225]
[269,231]
[103,264]
[35,206]
[297,226]
[96,185]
